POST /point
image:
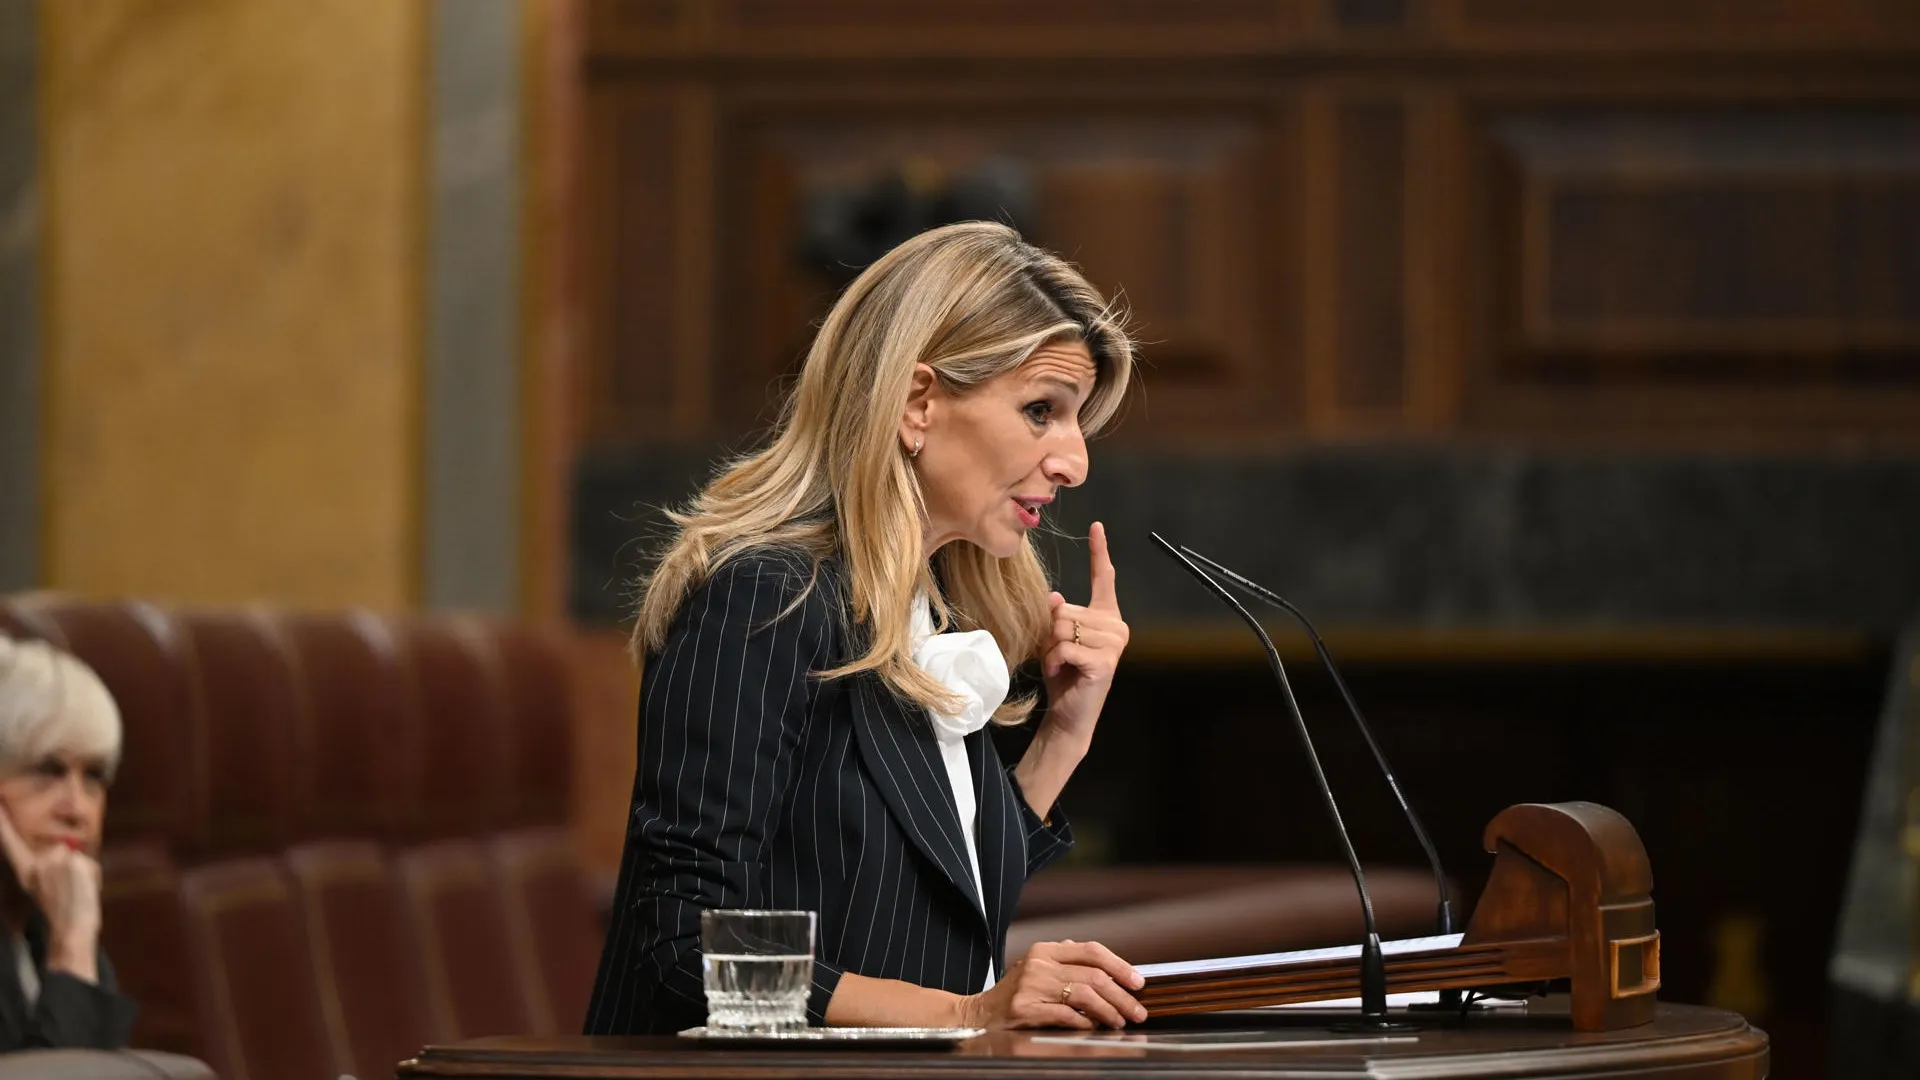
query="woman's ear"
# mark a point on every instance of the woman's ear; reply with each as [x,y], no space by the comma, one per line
[921,405]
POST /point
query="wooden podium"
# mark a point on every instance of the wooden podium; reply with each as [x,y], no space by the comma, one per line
[1569,898]
[1568,903]
[1680,1043]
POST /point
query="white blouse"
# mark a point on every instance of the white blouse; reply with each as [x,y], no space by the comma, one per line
[970,665]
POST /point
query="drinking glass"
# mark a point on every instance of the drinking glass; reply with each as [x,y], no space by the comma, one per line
[758,969]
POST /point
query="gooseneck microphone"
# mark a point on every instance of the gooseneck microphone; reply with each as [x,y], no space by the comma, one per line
[1373,966]
[1353,710]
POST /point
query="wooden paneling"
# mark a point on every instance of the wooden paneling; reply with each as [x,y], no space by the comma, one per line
[1691,25]
[1369,206]
[1204,190]
[1371,14]
[634,308]
[1753,264]
[857,14]
[1199,190]
[551,300]
[637,22]
[885,29]
[1742,270]
[1772,232]
[1452,219]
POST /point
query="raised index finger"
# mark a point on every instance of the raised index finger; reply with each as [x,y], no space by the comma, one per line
[1103,594]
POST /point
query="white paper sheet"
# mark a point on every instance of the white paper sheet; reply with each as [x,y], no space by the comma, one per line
[1394,1001]
[1302,956]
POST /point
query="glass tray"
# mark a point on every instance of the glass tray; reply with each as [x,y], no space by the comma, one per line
[878,1038]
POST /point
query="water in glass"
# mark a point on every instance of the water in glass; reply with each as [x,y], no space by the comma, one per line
[758,969]
[757,993]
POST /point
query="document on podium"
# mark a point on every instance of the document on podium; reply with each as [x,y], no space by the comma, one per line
[1259,961]
[1394,1001]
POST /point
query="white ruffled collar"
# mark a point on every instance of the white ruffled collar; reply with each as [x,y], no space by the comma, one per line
[968,663]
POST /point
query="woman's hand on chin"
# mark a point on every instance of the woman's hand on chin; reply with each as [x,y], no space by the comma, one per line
[65,883]
[1083,649]
[1063,984]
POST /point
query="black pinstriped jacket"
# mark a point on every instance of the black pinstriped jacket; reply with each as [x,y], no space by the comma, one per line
[761,786]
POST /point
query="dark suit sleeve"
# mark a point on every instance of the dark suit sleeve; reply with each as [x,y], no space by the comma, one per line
[723,711]
[1045,842]
[826,979]
[74,1013]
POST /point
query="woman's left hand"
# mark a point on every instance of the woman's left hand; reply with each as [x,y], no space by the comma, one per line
[1083,650]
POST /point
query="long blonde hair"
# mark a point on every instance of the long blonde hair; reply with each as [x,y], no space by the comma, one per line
[971,301]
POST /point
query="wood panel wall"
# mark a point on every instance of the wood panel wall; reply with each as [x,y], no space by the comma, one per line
[1687,223]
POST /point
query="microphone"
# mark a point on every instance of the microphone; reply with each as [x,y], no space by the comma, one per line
[1353,710]
[1373,966]
[1449,999]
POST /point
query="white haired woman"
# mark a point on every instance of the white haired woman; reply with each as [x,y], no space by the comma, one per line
[809,738]
[59,745]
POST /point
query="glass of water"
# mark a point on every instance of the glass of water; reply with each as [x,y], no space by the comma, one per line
[759,969]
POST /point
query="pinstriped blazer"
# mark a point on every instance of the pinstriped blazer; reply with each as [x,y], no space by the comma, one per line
[760,785]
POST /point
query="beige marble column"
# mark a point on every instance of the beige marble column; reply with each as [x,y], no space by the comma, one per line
[233,335]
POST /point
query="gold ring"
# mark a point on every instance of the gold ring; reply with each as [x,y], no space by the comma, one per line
[1076,641]
[1065,993]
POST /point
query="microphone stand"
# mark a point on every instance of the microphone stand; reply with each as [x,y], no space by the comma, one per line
[1449,999]
[1373,965]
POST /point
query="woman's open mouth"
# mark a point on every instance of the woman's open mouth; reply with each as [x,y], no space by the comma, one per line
[1029,510]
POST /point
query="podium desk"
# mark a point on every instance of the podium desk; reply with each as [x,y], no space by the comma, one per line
[1683,1042]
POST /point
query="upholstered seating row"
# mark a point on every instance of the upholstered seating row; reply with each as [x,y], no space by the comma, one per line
[248,730]
[333,838]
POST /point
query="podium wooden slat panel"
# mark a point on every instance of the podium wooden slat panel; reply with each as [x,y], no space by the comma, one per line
[1459,968]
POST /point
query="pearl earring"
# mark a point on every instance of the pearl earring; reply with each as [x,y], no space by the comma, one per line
[917,444]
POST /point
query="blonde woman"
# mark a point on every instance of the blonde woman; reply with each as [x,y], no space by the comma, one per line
[829,631]
[59,746]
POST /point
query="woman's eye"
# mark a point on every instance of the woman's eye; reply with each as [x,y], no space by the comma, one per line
[1040,411]
[51,767]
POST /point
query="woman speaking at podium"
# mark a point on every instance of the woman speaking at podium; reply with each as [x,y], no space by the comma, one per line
[831,626]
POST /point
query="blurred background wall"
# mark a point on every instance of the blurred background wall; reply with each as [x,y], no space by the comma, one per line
[1559,358]
[229,215]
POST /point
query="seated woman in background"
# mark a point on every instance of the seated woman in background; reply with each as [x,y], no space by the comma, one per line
[810,738]
[59,745]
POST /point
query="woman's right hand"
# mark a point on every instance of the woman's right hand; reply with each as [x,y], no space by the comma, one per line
[1068,984]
